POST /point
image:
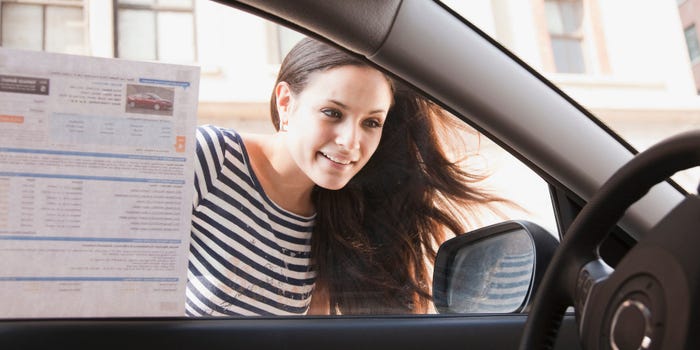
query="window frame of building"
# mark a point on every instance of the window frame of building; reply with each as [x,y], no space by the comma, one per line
[567,43]
[692,43]
[156,7]
[46,5]
[590,35]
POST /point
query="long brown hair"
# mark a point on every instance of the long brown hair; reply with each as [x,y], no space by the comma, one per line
[374,239]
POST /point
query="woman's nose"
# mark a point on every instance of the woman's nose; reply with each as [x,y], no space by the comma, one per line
[348,135]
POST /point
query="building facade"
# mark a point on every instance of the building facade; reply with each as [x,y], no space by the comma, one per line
[625,60]
[689,11]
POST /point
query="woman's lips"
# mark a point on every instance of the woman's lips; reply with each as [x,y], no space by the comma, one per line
[336,159]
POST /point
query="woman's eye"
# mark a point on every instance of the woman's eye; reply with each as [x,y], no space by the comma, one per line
[373,123]
[332,113]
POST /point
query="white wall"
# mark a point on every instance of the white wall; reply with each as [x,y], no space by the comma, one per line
[222,35]
[518,32]
[645,38]
[648,60]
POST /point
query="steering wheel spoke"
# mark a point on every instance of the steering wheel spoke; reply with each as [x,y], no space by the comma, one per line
[652,298]
[588,284]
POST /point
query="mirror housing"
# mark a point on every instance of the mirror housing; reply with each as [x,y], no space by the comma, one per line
[495,269]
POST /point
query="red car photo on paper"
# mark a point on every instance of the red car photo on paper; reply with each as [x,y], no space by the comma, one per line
[149,100]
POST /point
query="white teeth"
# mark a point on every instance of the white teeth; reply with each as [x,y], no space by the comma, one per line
[336,160]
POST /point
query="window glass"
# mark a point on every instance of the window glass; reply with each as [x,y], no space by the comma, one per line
[691,39]
[554,18]
[175,37]
[247,92]
[137,34]
[69,33]
[161,30]
[235,88]
[50,26]
[176,3]
[564,19]
[568,55]
[22,26]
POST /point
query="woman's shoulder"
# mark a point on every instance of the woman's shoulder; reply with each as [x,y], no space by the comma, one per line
[224,141]
[223,135]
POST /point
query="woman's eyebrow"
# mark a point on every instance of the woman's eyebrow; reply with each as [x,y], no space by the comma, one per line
[342,105]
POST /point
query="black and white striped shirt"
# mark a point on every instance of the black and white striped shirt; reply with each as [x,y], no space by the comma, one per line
[247,255]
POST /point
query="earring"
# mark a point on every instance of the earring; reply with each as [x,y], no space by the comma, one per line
[283,126]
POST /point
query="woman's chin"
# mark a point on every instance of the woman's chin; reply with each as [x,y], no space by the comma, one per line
[332,185]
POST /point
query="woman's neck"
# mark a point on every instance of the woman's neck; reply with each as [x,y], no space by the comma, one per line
[281,179]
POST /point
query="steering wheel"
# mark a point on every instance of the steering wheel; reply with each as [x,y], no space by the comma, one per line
[651,300]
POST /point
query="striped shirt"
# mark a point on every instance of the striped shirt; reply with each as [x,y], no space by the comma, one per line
[247,255]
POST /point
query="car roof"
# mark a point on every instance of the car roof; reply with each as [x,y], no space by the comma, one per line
[432,48]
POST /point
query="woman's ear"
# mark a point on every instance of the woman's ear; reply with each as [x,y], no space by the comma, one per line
[283,97]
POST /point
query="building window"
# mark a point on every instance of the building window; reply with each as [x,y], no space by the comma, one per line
[564,25]
[691,40]
[158,30]
[49,25]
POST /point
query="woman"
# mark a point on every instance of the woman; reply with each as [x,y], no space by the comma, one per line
[344,203]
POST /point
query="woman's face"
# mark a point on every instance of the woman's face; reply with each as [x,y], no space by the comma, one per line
[334,125]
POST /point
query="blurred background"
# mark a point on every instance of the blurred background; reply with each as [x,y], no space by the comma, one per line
[633,64]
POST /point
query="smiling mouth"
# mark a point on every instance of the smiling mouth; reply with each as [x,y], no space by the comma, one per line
[336,160]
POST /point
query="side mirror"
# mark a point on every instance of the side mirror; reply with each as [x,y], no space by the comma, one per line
[495,269]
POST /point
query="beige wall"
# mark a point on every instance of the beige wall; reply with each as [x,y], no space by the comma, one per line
[249,116]
[642,66]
